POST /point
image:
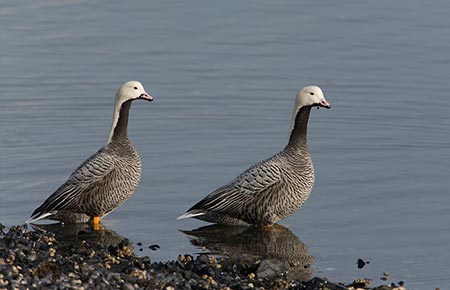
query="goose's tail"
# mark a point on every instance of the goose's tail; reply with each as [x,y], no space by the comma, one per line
[35,216]
[190,214]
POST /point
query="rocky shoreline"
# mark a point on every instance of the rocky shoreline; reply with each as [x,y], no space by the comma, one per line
[37,259]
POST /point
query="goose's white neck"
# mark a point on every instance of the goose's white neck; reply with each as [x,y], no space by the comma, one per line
[294,116]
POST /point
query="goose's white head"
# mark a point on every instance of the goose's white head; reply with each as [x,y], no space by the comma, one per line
[129,91]
[310,96]
[132,90]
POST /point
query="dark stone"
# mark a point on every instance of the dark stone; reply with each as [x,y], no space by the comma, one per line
[270,269]
[361,263]
[154,247]
[383,287]
[203,259]
[146,260]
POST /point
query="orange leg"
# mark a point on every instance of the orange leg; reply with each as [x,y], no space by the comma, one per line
[96,221]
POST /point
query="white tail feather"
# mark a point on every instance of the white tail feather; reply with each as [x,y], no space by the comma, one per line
[189,215]
[39,217]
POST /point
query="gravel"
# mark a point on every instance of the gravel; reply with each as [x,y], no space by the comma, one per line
[37,259]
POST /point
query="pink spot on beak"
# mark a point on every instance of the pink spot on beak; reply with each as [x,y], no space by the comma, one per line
[146,96]
[324,103]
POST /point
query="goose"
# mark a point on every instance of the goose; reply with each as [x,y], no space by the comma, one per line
[106,179]
[272,189]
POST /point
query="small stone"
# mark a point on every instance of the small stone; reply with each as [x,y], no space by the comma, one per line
[270,269]
[3,283]
[127,286]
[203,259]
[51,252]
[154,247]
[32,257]
[213,282]
[76,282]
[360,263]
[361,282]
[193,282]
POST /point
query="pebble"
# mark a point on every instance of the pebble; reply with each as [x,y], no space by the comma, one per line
[154,247]
[361,263]
[35,259]
[127,286]
[270,269]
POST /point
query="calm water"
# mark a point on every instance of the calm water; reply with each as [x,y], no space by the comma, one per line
[224,76]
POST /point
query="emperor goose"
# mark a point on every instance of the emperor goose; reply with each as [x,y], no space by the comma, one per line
[272,189]
[106,179]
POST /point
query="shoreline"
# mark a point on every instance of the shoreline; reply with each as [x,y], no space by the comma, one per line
[38,259]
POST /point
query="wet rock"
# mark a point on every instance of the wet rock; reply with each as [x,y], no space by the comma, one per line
[383,287]
[127,286]
[270,269]
[361,283]
[154,247]
[361,263]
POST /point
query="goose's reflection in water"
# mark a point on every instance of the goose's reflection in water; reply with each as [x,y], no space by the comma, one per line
[251,244]
[77,234]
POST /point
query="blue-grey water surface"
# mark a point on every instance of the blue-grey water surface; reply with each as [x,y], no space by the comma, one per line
[224,76]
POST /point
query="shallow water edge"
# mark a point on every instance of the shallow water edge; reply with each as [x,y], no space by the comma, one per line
[77,257]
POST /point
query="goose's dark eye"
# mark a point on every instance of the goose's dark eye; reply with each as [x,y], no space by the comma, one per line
[135,88]
[311,93]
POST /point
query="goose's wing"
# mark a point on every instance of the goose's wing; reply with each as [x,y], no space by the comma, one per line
[67,196]
[257,181]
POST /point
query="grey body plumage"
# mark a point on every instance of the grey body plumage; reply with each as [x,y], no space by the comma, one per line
[272,189]
[106,179]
